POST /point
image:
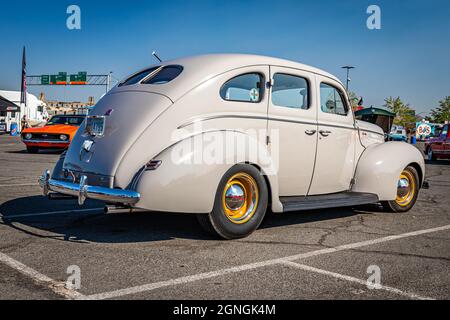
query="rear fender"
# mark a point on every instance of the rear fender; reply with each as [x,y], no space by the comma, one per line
[188,177]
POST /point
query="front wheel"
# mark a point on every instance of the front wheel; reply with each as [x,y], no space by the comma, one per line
[407,192]
[240,203]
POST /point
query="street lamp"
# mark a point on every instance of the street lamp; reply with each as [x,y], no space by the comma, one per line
[348,71]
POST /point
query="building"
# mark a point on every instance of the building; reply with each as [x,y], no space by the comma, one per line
[74,107]
[35,109]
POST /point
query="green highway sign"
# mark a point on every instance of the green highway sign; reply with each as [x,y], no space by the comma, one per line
[45,79]
[80,78]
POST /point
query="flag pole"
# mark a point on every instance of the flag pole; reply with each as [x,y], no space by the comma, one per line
[23,90]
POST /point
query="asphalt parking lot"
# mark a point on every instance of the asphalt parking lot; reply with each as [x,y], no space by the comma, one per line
[321,254]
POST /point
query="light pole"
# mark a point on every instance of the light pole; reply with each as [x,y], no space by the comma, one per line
[348,73]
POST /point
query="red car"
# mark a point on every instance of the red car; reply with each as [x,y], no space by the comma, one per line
[439,147]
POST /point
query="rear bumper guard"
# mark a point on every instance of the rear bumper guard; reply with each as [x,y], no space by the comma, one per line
[83,191]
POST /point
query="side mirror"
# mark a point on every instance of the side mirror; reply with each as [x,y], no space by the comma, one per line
[360,101]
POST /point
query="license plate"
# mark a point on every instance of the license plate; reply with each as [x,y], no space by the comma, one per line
[95,125]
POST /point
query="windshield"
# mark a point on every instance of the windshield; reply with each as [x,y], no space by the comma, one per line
[72,121]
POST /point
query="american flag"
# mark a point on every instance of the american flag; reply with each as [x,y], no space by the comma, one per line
[23,88]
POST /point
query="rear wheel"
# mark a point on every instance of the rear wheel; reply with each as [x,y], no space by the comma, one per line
[407,191]
[240,203]
[32,150]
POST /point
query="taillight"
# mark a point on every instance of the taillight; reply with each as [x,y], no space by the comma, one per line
[153,164]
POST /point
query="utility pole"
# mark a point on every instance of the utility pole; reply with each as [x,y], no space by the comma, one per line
[348,75]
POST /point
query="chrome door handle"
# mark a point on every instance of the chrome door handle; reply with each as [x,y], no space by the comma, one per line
[325,133]
[310,132]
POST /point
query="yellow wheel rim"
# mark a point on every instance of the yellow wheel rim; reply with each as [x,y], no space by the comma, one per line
[406,188]
[240,198]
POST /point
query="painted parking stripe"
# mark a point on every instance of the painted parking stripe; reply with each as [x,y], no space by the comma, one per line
[18,185]
[207,275]
[55,286]
[49,213]
[354,280]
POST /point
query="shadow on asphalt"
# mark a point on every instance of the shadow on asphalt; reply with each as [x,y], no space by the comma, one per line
[95,226]
[438,162]
[50,151]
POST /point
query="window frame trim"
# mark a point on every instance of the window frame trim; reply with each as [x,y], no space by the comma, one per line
[340,93]
[308,88]
[262,89]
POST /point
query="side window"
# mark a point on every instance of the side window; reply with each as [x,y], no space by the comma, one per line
[247,87]
[290,91]
[444,132]
[332,100]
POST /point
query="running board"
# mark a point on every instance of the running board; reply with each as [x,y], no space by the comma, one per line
[341,199]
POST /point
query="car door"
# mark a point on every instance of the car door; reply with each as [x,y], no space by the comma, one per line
[442,146]
[292,128]
[337,137]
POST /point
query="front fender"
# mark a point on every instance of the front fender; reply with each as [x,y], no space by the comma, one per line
[380,165]
[190,172]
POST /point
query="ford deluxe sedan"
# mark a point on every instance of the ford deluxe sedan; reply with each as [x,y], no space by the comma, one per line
[229,136]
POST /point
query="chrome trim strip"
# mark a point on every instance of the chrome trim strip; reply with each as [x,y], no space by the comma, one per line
[370,131]
[231,116]
[45,141]
[83,190]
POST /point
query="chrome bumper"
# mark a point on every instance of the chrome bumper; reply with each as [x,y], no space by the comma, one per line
[84,191]
[46,141]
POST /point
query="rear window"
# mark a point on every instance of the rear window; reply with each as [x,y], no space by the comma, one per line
[138,77]
[165,75]
[155,75]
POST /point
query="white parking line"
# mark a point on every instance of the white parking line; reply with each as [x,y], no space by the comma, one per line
[206,275]
[48,213]
[355,280]
[19,185]
[55,286]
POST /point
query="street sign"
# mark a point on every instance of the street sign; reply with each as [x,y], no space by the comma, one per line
[78,79]
[45,79]
[59,79]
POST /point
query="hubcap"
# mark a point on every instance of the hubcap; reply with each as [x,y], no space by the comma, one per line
[406,188]
[235,197]
[240,198]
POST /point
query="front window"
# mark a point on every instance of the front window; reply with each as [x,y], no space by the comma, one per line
[72,121]
[332,100]
[290,91]
[247,87]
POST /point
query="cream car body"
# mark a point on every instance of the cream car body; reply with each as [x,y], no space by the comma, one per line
[318,153]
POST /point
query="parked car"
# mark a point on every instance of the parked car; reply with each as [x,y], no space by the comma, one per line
[57,133]
[228,136]
[438,147]
[398,133]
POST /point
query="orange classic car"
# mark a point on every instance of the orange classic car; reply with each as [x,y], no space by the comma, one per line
[56,134]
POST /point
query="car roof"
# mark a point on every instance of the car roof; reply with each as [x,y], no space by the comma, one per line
[200,68]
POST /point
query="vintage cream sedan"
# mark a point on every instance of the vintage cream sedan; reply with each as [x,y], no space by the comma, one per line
[229,136]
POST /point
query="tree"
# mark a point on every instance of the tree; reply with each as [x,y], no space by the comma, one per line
[441,113]
[354,99]
[405,115]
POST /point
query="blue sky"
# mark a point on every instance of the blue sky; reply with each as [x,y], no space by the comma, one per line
[409,57]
